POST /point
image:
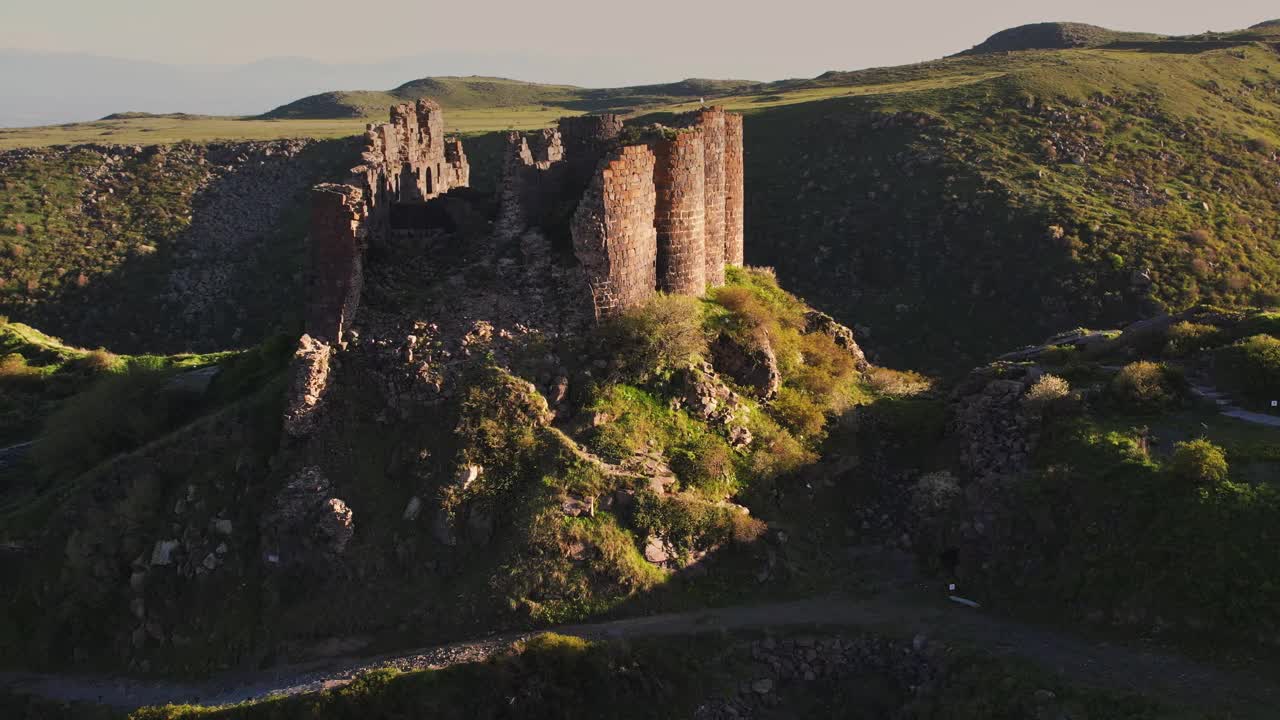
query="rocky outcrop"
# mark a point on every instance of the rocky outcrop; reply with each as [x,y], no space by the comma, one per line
[750,364]
[705,396]
[816,321]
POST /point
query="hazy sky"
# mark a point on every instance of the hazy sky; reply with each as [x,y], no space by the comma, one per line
[597,42]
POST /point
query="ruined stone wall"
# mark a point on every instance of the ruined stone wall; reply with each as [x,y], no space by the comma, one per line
[533,178]
[405,160]
[337,238]
[408,159]
[680,214]
[613,231]
[710,123]
[693,191]
[734,189]
[586,139]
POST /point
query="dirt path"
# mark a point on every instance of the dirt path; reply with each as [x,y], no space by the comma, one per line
[1231,410]
[1182,681]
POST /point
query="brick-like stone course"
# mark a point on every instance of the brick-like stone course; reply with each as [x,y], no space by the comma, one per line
[696,216]
[613,231]
[710,124]
[680,215]
[734,189]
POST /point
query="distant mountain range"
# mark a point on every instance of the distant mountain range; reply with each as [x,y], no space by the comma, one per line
[52,88]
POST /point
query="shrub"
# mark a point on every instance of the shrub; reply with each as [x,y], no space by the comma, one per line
[1145,386]
[934,494]
[662,335]
[14,369]
[1252,368]
[497,426]
[897,383]
[688,524]
[825,370]
[705,463]
[1046,392]
[1199,463]
[799,413]
[1186,338]
[749,313]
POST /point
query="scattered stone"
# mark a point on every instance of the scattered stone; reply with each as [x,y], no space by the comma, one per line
[162,553]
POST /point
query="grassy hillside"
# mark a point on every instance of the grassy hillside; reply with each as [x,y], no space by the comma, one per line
[1082,186]
[1072,187]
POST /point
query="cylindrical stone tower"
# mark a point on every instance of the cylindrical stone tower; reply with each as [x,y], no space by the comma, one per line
[613,233]
[711,123]
[733,189]
[680,215]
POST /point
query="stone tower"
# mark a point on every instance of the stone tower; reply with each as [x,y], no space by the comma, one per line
[679,178]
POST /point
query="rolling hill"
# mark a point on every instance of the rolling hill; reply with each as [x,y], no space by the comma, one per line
[470,93]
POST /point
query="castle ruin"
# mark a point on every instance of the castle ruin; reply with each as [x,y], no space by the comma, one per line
[657,209]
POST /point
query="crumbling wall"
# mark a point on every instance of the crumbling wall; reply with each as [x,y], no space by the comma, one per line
[337,239]
[406,160]
[680,214]
[734,189]
[711,125]
[613,231]
[533,179]
[586,139]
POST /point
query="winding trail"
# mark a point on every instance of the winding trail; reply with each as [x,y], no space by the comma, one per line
[1230,409]
[1178,679]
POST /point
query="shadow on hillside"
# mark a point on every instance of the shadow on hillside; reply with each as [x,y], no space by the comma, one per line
[230,278]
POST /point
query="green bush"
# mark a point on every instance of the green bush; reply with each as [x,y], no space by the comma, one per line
[1146,386]
[1186,338]
[663,334]
[1251,367]
[799,413]
[1048,391]
[688,524]
[1199,463]
[706,464]
[497,427]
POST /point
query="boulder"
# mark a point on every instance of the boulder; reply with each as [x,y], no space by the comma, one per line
[655,551]
[751,364]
